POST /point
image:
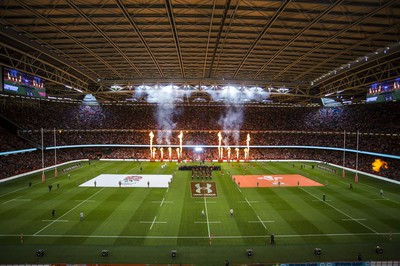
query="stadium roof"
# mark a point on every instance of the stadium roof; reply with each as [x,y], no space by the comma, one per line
[295,51]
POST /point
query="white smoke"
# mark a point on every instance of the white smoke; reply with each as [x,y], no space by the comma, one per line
[234,99]
[165,97]
[231,121]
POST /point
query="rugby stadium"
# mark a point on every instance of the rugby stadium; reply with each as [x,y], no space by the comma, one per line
[204,132]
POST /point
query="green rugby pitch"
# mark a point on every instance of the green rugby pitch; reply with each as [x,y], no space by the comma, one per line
[143,225]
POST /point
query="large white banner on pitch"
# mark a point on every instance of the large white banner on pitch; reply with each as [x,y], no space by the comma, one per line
[129,180]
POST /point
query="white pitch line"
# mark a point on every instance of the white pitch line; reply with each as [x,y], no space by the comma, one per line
[320,200]
[159,201]
[200,237]
[162,201]
[68,212]
[262,221]
[55,220]
[210,222]
[345,214]
[153,222]
[11,192]
[86,200]
[11,200]
[354,219]
[251,201]
[24,200]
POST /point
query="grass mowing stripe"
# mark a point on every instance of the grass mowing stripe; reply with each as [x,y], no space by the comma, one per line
[68,212]
[345,214]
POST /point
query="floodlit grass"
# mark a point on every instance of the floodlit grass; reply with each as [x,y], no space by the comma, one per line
[143,225]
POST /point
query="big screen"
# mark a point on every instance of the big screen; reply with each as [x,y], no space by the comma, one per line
[384,92]
[17,82]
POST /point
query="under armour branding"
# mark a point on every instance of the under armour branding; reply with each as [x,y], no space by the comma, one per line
[203,189]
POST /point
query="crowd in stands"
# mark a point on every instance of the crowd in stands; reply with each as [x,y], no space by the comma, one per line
[373,118]
[73,124]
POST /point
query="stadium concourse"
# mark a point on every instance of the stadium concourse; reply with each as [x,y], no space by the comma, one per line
[77,124]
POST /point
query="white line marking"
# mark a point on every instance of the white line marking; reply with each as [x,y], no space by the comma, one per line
[257,215]
[211,222]
[153,222]
[86,200]
[381,199]
[11,200]
[262,221]
[13,192]
[55,221]
[159,201]
[68,212]
[320,200]
[208,223]
[345,214]
[15,199]
[251,201]
[162,201]
[255,212]
[200,237]
[354,219]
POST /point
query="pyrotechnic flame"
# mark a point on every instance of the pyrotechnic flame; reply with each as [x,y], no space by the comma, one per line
[237,153]
[180,136]
[245,153]
[161,152]
[378,164]
[154,152]
[170,152]
[151,143]
[177,152]
[219,145]
[229,153]
[248,145]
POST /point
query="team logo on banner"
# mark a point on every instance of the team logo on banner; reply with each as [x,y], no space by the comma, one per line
[203,189]
[132,179]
